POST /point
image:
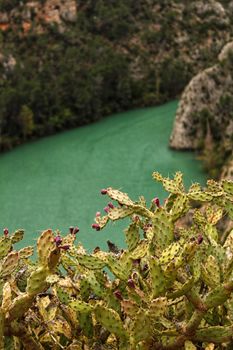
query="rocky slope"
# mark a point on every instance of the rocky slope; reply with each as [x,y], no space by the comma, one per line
[67,63]
[204,118]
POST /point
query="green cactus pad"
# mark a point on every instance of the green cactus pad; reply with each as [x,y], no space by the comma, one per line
[229,208]
[102,221]
[158,281]
[140,251]
[5,246]
[2,345]
[163,229]
[180,207]
[120,197]
[129,307]
[86,324]
[81,306]
[158,307]
[199,218]
[141,327]
[132,236]
[157,176]
[19,306]
[188,345]
[26,252]
[211,272]
[6,297]
[110,320]
[200,196]
[17,236]
[171,186]
[63,296]
[170,253]
[53,259]
[45,245]
[94,285]
[116,268]
[36,283]
[90,262]
[214,188]
[9,264]
[183,289]
[119,213]
[228,186]
[213,216]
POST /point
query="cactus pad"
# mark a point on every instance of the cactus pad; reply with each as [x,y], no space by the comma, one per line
[17,236]
[132,236]
[45,245]
[91,262]
[110,319]
[119,213]
[9,264]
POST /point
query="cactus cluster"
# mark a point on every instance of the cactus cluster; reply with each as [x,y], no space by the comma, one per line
[171,288]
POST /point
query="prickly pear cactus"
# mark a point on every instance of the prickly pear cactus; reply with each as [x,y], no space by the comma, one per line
[172,288]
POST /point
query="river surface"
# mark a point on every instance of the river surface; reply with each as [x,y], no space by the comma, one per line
[56,181]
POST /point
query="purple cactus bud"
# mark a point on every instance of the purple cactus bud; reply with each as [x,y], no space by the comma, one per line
[110,205]
[71,229]
[75,230]
[64,247]
[106,209]
[104,191]
[98,214]
[199,239]
[131,283]
[118,295]
[156,202]
[6,232]
[58,240]
[96,227]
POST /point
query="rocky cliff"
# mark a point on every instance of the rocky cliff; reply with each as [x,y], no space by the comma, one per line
[204,119]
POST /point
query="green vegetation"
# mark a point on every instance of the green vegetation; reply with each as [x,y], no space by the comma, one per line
[170,289]
[115,56]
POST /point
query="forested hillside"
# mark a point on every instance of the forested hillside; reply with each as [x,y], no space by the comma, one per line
[68,63]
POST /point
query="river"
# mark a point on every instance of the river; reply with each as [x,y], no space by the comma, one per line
[55,182]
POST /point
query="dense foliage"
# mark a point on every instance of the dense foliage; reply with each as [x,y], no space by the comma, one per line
[170,289]
[116,55]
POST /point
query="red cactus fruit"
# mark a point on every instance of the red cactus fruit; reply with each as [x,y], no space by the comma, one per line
[106,209]
[58,240]
[199,239]
[96,227]
[75,230]
[6,232]
[131,283]
[110,205]
[118,295]
[156,202]
[104,191]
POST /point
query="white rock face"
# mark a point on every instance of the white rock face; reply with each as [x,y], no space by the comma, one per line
[211,8]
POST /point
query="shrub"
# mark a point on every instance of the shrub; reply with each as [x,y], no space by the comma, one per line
[171,288]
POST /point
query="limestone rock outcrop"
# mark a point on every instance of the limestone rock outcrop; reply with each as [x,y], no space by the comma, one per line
[205,110]
[37,13]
